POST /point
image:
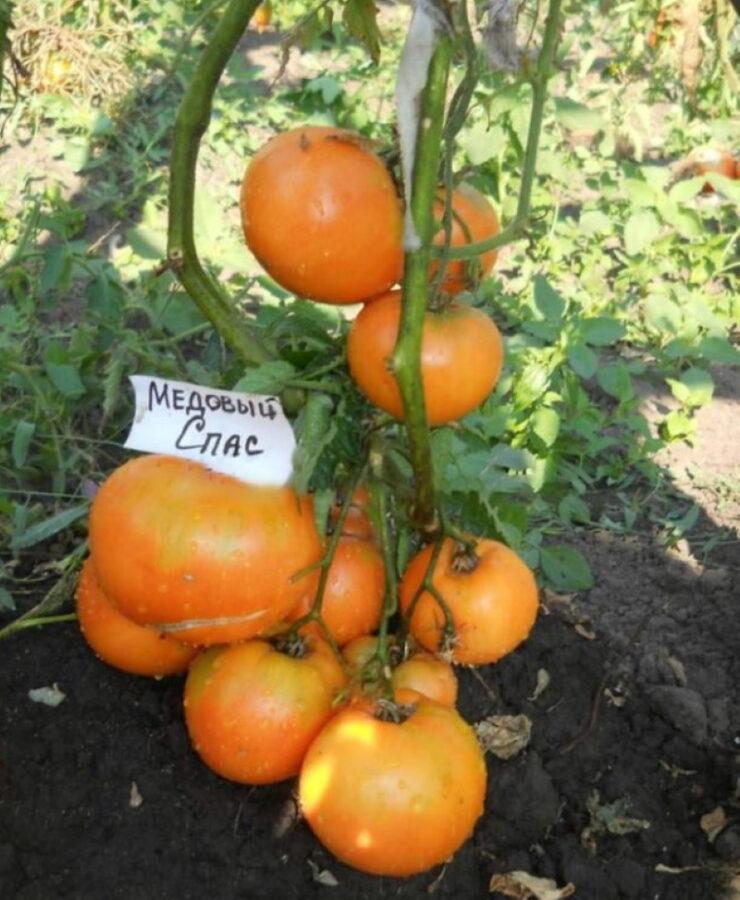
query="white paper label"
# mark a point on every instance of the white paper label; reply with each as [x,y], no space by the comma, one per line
[244,435]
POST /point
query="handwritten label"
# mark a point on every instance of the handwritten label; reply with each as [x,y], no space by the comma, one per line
[244,435]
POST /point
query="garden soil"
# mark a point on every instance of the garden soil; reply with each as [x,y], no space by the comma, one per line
[635,738]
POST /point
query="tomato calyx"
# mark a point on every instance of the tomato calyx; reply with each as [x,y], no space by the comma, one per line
[393,711]
[464,558]
[293,645]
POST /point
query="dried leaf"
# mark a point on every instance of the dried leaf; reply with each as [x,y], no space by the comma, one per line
[49,696]
[543,680]
[676,870]
[617,700]
[322,876]
[712,823]
[504,736]
[523,886]
[134,798]
[612,817]
[585,630]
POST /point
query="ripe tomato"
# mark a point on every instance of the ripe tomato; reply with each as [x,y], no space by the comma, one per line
[709,159]
[120,642]
[262,16]
[427,675]
[474,219]
[252,711]
[353,597]
[209,558]
[493,601]
[394,798]
[322,215]
[356,522]
[359,651]
[461,357]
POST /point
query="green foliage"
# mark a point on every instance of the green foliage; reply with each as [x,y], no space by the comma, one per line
[621,288]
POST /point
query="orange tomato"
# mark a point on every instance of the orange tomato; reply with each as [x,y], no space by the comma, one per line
[262,16]
[353,597]
[709,159]
[427,675]
[359,651]
[461,357]
[393,798]
[205,556]
[356,522]
[120,642]
[474,219]
[492,598]
[252,711]
[321,214]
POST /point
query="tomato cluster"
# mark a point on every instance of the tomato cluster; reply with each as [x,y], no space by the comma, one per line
[321,213]
[284,634]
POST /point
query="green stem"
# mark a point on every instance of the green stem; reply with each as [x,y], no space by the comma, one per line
[379,501]
[44,620]
[191,123]
[406,361]
[539,78]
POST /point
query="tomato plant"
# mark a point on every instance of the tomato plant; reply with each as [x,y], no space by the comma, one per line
[461,357]
[133,648]
[321,213]
[252,710]
[202,555]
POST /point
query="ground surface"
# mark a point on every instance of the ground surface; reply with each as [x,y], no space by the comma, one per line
[662,738]
[102,797]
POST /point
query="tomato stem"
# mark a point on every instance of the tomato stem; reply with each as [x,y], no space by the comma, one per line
[406,360]
[192,120]
[427,586]
[314,614]
[538,78]
[379,505]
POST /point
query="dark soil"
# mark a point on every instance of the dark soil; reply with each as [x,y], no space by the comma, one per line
[625,717]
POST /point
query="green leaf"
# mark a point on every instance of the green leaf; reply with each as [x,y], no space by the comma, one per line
[315,430]
[677,426]
[583,360]
[602,330]
[573,509]
[546,425]
[65,378]
[21,442]
[614,378]
[719,350]
[482,143]
[532,383]
[641,230]
[547,300]
[269,378]
[577,117]
[6,600]
[594,222]
[42,531]
[565,568]
[694,388]
[685,190]
[360,20]
[663,314]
